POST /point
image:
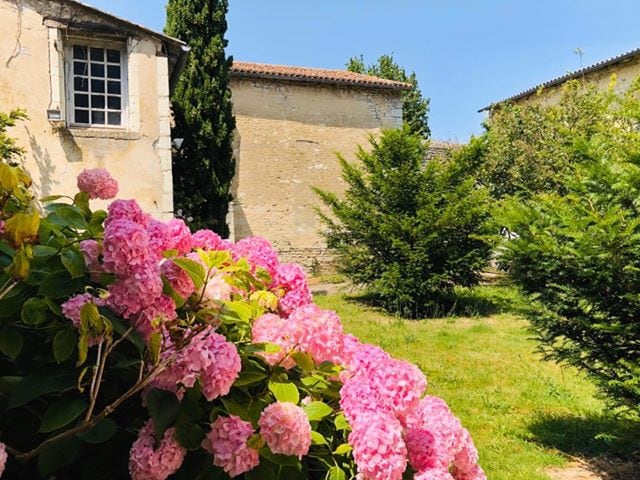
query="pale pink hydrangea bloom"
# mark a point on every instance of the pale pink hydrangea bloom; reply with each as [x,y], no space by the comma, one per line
[71,308]
[179,236]
[270,328]
[378,448]
[131,294]
[125,247]
[126,210]
[292,278]
[150,462]
[285,428]
[210,358]
[178,278]
[216,290]
[321,333]
[433,474]
[259,253]
[151,318]
[227,442]
[91,251]
[208,240]
[97,183]
[465,462]
[3,458]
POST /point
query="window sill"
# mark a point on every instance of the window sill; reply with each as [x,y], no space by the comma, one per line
[79,132]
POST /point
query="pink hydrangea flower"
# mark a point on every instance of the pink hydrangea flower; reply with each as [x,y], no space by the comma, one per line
[1,227]
[378,448]
[125,247]
[159,241]
[3,458]
[258,252]
[270,328]
[433,474]
[152,317]
[71,308]
[179,236]
[227,442]
[135,292]
[321,333]
[292,279]
[210,358]
[97,183]
[127,210]
[423,450]
[208,240]
[178,278]
[285,428]
[91,251]
[151,460]
[216,290]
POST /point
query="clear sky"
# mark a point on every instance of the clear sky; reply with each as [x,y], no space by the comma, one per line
[466,53]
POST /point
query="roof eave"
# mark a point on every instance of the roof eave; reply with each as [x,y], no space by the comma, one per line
[293,78]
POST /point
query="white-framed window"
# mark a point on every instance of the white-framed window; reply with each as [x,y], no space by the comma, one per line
[96,83]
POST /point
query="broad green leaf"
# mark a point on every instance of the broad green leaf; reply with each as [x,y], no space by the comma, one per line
[341,422]
[155,345]
[63,344]
[34,312]
[264,471]
[304,361]
[317,410]
[238,310]
[41,383]
[164,408]
[278,459]
[62,413]
[194,269]
[236,408]
[10,342]
[58,455]
[21,263]
[44,251]
[343,449]
[100,433]
[249,378]
[318,439]
[189,434]
[284,391]
[336,473]
[51,198]
[67,215]
[60,285]
[73,261]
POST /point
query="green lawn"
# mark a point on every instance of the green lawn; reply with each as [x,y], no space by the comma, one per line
[524,414]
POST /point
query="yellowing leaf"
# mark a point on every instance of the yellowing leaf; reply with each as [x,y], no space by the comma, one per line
[23,227]
[8,177]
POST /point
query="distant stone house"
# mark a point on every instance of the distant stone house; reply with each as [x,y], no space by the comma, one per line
[291,123]
[625,67]
[96,89]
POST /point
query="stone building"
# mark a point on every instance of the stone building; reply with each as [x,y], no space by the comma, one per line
[96,89]
[625,67]
[291,123]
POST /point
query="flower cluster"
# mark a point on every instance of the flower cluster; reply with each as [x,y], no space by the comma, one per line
[3,458]
[286,429]
[291,279]
[152,460]
[97,183]
[227,442]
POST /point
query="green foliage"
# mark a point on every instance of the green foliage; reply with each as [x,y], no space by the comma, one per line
[8,146]
[529,148]
[409,232]
[415,108]
[204,166]
[578,256]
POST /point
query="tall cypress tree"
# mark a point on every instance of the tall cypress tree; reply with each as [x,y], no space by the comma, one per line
[204,166]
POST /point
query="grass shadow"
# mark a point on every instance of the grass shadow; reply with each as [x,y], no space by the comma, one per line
[589,436]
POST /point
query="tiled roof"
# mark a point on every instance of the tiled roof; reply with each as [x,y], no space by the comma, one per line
[569,76]
[313,75]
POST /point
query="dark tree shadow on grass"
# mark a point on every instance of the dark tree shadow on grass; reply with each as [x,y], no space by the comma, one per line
[609,444]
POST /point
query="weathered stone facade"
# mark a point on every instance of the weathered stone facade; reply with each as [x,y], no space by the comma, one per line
[36,74]
[288,136]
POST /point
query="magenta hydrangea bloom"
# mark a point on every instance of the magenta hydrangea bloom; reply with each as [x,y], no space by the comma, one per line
[285,428]
[125,247]
[227,442]
[97,183]
[126,210]
[210,358]
[378,448]
[71,308]
[3,458]
[159,240]
[151,318]
[150,462]
[178,278]
[259,253]
[433,474]
[270,328]
[131,294]
[208,240]
[423,450]
[292,278]
[179,236]
[321,333]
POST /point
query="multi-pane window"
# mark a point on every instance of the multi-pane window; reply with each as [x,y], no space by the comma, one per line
[97,87]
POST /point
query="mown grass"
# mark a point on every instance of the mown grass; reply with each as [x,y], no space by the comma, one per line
[525,414]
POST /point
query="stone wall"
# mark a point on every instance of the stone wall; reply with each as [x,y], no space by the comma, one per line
[32,76]
[288,135]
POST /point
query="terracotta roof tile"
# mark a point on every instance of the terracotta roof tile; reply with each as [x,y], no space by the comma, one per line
[306,74]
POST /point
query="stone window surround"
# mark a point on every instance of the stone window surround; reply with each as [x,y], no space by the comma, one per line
[58,39]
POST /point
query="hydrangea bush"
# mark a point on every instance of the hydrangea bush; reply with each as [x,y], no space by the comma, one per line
[134,347]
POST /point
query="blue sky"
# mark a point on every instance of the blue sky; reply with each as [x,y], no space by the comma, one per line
[466,53]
